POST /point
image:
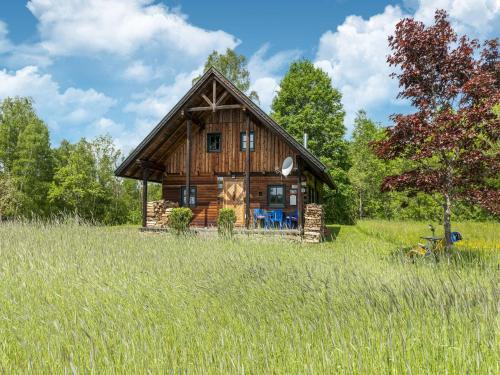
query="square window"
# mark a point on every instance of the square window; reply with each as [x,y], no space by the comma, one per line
[214,142]
[243,141]
[192,197]
[276,195]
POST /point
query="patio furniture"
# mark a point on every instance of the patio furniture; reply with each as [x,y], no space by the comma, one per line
[292,219]
[275,216]
[455,237]
[259,214]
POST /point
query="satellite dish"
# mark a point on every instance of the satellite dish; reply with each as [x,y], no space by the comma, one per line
[287,166]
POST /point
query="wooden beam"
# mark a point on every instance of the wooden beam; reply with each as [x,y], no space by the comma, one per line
[214,94]
[300,206]
[145,175]
[207,100]
[252,174]
[188,162]
[224,94]
[230,106]
[247,173]
[218,107]
[199,109]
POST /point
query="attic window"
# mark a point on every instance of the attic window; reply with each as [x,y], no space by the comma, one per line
[243,141]
[213,142]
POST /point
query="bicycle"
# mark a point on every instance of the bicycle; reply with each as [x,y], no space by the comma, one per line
[434,245]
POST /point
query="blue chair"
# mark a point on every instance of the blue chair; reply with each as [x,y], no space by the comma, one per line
[268,219]
[292,219]
[455,237]
[276,216]
[258,214]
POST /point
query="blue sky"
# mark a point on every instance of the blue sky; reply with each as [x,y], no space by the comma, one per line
[117,66]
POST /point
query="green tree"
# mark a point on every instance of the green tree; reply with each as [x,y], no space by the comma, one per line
[234,67]
[32,168]
[15,115]
[367,171]
[8,196]
[75,188]
[107,157]
[62,153]
[308,103]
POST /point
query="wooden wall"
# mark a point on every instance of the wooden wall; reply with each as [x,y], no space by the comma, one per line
[209,197]
[270,150]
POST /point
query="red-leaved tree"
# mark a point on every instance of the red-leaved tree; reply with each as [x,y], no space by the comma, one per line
[453,136]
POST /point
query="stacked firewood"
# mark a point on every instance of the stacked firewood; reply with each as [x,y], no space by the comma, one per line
[314,223]
[158,213]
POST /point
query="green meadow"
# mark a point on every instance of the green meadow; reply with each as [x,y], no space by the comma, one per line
[84,299]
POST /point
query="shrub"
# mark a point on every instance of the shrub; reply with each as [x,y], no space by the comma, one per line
[225,222]
[179,219]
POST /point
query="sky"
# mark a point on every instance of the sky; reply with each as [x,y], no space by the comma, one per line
[118,66]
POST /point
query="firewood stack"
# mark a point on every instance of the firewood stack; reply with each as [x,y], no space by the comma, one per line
[158,213]
[314,223]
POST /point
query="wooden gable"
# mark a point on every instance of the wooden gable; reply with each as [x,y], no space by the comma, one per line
[215,105]
[267,157]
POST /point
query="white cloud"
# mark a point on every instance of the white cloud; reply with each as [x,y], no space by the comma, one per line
[138,71]
[478,18]
[16,55]
[123,138]
[76,27]
[355,58]
[5,44]
[266,88]
[156,104]
[71,107]
[354,55]
[27,55]
[265,73]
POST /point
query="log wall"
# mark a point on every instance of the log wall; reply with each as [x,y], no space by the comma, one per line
[209,196]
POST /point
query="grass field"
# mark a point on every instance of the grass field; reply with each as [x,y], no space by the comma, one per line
[99,300]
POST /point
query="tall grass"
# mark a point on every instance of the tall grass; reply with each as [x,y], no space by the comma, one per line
[92,300]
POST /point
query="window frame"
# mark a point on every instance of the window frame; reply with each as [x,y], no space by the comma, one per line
[192,196]
[252,143]
[219,134]
[276,205]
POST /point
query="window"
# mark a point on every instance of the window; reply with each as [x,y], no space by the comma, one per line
[243,141]
[214,142]
[276,195]
[192,198]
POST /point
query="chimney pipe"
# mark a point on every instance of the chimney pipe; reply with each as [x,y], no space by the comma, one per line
[305,140]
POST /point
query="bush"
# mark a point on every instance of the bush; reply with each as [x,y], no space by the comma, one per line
[179,219]
[225,222]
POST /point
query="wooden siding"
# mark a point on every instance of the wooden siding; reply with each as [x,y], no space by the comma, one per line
[209,198]
[268,155]
[270,149]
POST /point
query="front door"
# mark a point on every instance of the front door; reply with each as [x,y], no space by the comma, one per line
[234,197]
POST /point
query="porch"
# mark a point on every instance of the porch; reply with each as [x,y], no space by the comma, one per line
[275,222]
[205,216]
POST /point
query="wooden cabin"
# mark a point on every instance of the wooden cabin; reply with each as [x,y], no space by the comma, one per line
[216,148]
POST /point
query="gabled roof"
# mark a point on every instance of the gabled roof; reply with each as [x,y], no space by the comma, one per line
[316,166]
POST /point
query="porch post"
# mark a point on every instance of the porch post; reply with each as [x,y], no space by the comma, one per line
[188,161]
[145,175]
[247,174]
[300,205]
